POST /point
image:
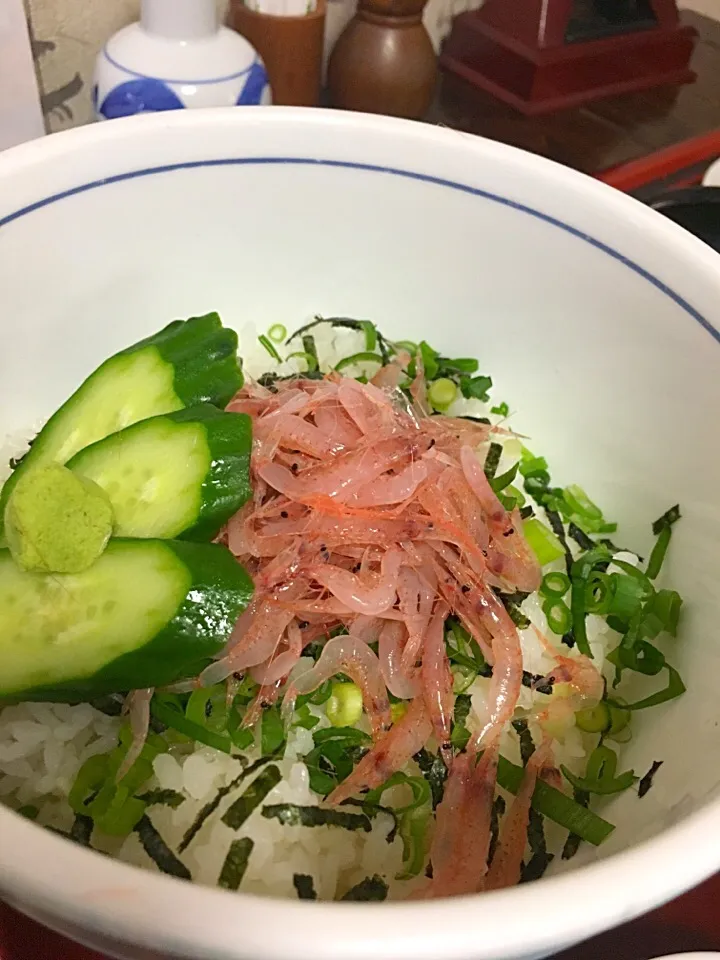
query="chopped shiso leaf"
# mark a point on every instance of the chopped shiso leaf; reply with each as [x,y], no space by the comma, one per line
[372,888]
[272,731]
[573,841]
[293,815]
[270,347]
[675,688]
[57,522]
[308,342]
[162,798]
[158,851]
[305,886]
[235,865]
[212,805]
[600,774]
[168,709]
[502,409]
[336,751]
[253,795]
[29,811]
[647,781]
[475,388]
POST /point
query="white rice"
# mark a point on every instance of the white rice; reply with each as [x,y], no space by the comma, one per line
[42,746]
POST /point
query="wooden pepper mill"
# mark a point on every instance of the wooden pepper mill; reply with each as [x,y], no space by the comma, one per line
[384,61]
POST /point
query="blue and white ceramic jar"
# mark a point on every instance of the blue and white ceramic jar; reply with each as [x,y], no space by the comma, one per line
[177,56]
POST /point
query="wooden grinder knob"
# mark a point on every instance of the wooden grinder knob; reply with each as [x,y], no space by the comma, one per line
[384,61]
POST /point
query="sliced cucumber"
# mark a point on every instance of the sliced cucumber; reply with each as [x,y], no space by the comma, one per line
[189,362]
[180,475]
[145,614]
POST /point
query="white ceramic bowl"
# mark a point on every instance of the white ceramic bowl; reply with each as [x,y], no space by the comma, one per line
[598,320]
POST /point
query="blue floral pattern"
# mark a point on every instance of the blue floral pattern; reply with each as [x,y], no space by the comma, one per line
[139,96]
[254,87]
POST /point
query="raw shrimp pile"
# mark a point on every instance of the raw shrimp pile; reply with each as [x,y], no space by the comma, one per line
[373,520]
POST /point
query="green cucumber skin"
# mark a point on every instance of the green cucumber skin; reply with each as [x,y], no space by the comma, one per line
[219,591]
[203,357]
[195,347]
[226,485]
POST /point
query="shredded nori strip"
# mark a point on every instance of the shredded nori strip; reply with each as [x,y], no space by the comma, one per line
[236,814]
[158,851]
[569,639]
[492,460]
[305,886]
[540,859]
[498,809]
[580,537]
[558,528]
[527,746]
[666,520]
[213,804]
[269,380]
[293,815]
[573,840]
[537,682]
[371,888]
[310,349]
[81,830]
[647,780]
[526,512]
[512,602]
[467,416]
[111,706]
[162,798]
[435,772]
[333,321]
[236,861]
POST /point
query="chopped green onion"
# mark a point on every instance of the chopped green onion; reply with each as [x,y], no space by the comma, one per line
[598,593]
[577,610]
[558,616]
[235,865]
[167,710]
[363,357]
[463,678]
[518,496]
[626,597]
[345,705]
[398,711]
[208,707]
[307,357]
[270,347]
[442,393]
[595,719]
[162,798]
[580,503]
[619,717]
[413,819]
[502,409]
[371,335]
[407,345]
[556,806]
[600,775]
[277,332]
[554,585]
[664,606]
[542,541]
[658,552]
[505,479]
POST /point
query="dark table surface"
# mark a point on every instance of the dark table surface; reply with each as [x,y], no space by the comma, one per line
[592,139]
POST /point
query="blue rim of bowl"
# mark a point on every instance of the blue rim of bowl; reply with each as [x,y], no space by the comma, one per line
[374,168]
